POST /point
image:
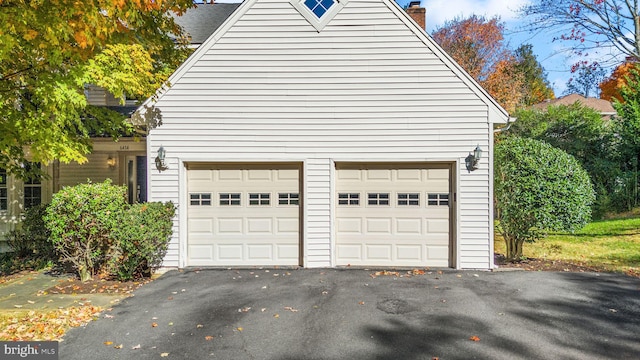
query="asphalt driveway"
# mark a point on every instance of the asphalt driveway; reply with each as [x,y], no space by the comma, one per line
[350,314]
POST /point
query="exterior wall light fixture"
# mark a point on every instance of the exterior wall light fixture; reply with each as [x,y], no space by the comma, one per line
[160,164]
[473,159]
[111,162]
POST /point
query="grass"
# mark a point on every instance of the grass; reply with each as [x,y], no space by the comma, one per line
[606,245]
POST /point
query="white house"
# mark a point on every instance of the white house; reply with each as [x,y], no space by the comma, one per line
[325,133]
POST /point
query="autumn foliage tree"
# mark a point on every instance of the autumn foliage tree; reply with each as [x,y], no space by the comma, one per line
[49,52]
[611,86]
[477,44]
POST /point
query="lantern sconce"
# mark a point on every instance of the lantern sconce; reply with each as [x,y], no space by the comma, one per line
[111,162]
[160,164]
[473,159]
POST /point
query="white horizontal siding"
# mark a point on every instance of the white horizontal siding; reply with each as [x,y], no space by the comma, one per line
[367,87]
[317,218]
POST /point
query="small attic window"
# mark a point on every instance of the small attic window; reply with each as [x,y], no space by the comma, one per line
[319,13]
[319,7]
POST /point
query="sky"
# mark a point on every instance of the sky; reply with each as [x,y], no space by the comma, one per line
[556,62]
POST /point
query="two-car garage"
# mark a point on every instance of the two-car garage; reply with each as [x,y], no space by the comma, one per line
[384,214]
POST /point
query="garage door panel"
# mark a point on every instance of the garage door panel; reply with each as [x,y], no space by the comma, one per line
[259,252]
[400,215]
[229,252]
[348,252]
[349,226]
[227,174]
[227,226]
[378,226]
[415,175]
[256,226]
[287,226]
[409,252]
[290,252]
[201,252]
[435,226]
[239,227]
[259,175]
[201,226]
[379,252]
[409,226]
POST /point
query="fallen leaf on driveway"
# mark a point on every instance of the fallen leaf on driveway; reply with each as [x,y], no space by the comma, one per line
[199,326]
[108,343]
[245,309]
[276,316]
[118,346]
[154,325]
[361,303]
[613,310]
[208,337]
[239,329]
[136,347]
[474,338]
[164,354]
[290,309]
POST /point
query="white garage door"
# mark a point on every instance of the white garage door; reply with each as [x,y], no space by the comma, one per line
[393,215]
[243,215]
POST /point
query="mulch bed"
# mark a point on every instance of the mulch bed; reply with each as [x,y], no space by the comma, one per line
[533,264]
[95,286]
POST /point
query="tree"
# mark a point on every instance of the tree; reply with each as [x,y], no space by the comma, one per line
[50,50]
[477,44]
[611,86]
[535,83]
[538,188]
[586,80]
[581,132]
[590,24]
[627,128]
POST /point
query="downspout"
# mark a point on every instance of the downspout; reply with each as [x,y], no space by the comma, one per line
[510,121]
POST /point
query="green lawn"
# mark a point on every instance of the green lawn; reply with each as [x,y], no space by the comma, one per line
[609,245]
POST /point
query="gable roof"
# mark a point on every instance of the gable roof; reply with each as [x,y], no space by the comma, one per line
[204,19]
[603,106]
[497,114]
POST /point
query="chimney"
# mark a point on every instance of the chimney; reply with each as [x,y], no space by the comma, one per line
[417,13]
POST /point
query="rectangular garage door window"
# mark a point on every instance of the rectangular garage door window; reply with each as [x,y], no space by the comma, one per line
[288,199]
[200,199]
[349,199]
[405,199]
[229,199]
[438,199]
[378,199]
[259,199]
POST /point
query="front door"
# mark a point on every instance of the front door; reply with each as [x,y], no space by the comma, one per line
[136,178]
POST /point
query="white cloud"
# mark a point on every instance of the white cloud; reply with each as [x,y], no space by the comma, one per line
[439,11]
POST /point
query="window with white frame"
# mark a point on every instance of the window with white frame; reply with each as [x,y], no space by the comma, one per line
[200,199]
[4,196]
[288,198]
[438,199]
[408,199]
[32,188]
[348,199]
[378,199]
[259,199]
[227,199]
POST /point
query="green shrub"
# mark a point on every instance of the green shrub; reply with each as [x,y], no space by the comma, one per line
[142,239]
[81,220]
[31,238]
[538,188]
